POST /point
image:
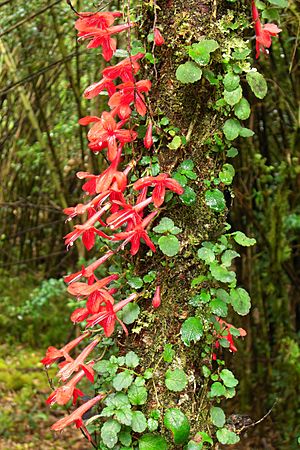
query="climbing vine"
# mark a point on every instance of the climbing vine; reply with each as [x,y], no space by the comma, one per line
[127,211]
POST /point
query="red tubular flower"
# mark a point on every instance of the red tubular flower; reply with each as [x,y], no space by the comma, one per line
[64,393]
[106,132]
[88,271]
[69,367]
[76,416]
[156,299]
[263,32]
[100,34]
[158,39]
[82,208]
[129,92]
[161,183]
[94,89]
[129,213]
[125,69]
[108,317]
[136,234]
[53,354]
[89,230]
[148,139]
[79,289]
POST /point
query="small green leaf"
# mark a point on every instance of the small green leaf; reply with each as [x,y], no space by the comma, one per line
[246,132]
[215,200]
[231,81]
[228,256]
[169,245]
[137,394]
[188,72]
[122,381]
[233,97]
[125,438]
[176,380]
[226,436]
[191,330]
[168,353]
[217,416]
[217,389]
[242,239]
[220,273]
[200,52]
[206,254]
[124,415]
[232,152]
[166,225]
[139,422]
[189,196]
[134,282]
[240,301]
[280,3]
[187,164]
[242,109]
[109,433]
[231,129]
[175,143]
[257,84]
[228,379]
[152,442]
[149,277]
[152,424]
[178,424]
[218,307]
[131,360]
[130,313]
[227,173]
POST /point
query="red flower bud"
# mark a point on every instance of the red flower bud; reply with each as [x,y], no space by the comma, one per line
[156,299]
[158,39]
[148,140]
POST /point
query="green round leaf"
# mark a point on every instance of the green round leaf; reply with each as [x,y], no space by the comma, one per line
[175,143]
[217,416]
[206,254]
[257,84]
[187,164]
[189,196]
[109,433]
[131,360]
[134,282]
[227,173]
[122,380]
[168,353]
[220,273]
[169,245]
[191,330]
[178,424]
[280,3]
[139,422]
[152,424]
[226,436]
[218,307]
[152,442]
[242,110]
[130,313]
[176,380]
[215,200]
[243,240]
[231,81]
[200,52]
[217,389]
[228,379]
[164,225]
[240,301]
[188,72]
[231,129]
[137,394]
[125,438]
[233,97]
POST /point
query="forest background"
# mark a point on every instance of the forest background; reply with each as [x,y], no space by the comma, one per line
[43,71]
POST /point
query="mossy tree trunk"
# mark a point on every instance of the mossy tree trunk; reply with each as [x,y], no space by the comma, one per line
[188,107]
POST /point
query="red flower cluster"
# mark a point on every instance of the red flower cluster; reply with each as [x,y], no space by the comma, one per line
[263,33]
[107,210]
